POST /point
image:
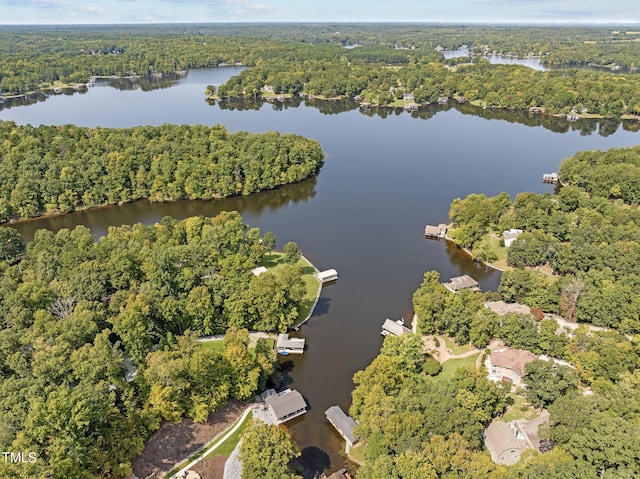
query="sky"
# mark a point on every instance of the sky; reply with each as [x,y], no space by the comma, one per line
[262,11]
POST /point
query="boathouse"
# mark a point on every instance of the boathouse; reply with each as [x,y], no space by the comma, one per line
[550,178]
[395,328]
[259,270]
[287,345]
[411,107]
[285,405]
[439,231]
[462,282]
[344,424]
[327,275]
[509,236]
[443,100]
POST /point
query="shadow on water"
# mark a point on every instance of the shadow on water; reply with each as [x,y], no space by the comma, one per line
[312,462]
[558,124]
[146,212]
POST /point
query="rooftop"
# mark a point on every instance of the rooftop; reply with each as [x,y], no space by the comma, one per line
[259,270]
[502,308]
[514,359]
[397,328]
[343,423]
[285,403]
[461,282]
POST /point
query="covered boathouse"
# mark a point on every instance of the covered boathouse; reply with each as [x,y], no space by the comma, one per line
[344,424]
[327,275]
[284,405]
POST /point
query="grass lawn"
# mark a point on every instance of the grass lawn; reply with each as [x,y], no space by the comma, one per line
[519,410]
[227,447]
[215,345]
[357,452]
[454,347]
[449,367]
[275,262]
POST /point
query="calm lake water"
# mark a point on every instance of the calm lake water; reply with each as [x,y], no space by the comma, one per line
[387,173]
[533,63]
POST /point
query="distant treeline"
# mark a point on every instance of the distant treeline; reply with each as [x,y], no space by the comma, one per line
[499,86]
[52,169]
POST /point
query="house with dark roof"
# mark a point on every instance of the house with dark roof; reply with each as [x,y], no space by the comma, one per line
[284,405]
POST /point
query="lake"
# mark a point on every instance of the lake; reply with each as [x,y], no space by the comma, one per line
[387,173]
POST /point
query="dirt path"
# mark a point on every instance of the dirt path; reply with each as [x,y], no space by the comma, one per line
[442,353]
[173,442]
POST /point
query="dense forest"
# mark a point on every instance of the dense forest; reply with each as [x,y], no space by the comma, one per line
[500,86]
[52,169]
[313,61]
[74,309]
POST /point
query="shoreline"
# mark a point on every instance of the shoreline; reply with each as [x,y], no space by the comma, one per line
[471,256]
[315,303]
[55,214]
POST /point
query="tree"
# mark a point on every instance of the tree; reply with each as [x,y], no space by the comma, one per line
[291,253]
[12,245]
[546,381]
[266,452]
[269,242]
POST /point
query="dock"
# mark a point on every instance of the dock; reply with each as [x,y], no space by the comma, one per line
[344,424]
[327,276]
[287,345]
[394,328]
[439,231]
[462,282]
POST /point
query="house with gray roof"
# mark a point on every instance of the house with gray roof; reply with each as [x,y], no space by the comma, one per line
[462,282]
[395,328]
[285,405]
[287,345]
[344,424]
[501,308]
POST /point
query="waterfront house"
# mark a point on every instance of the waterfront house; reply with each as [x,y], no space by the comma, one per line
[395,328]
[284,405]
[344,424]
[550,178]
[327,276]
[509,236]
[462,282]
[443,100]
[407,96]
[507,365]
[259,270]
[411,107]
[287,345]
[439,231]
[501,308]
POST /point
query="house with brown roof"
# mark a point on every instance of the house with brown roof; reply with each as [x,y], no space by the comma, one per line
[507,365]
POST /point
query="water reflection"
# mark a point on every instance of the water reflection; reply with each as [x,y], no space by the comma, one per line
[146,212]
[558,124]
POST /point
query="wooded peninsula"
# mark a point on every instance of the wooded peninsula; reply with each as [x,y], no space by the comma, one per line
[55,169]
